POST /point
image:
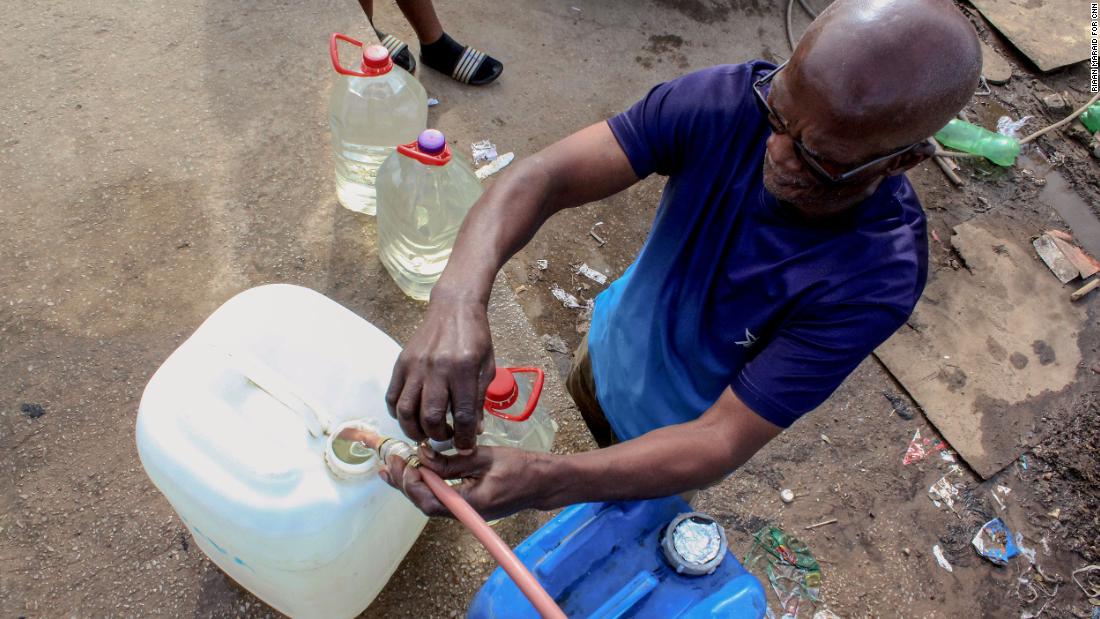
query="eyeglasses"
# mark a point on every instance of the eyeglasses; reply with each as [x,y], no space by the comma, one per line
[824,170]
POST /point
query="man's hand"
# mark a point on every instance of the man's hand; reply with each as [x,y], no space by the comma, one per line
[449,361]
[447,364]
[496,481]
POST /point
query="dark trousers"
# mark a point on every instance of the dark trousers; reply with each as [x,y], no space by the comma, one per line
[582,386]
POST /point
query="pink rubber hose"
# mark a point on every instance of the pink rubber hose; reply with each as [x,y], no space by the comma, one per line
[539,598]
[452,500]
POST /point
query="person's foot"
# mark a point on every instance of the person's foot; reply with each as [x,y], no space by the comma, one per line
[399,51]
[465,64]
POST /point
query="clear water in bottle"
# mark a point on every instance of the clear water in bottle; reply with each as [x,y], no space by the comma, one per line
[424,194]
[371,111]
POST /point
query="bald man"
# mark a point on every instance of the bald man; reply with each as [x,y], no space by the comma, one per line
[787,246]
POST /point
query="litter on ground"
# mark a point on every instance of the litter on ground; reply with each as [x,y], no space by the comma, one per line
[566,299]
[994,542]
[1009,127]
[920,448]
[944,491]
[497,165]
[942,560]
[591,274]
[483,151]
[790,567]
[592,233]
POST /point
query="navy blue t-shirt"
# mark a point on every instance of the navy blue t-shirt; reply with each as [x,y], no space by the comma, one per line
[732,288]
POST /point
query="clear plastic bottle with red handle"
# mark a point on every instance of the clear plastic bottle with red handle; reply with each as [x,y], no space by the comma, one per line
[513,416]
[424,193]
[372,109]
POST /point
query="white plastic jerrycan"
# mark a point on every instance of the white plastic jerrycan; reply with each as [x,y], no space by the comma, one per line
[237,427]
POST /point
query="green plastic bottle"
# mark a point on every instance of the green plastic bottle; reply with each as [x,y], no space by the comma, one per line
[1000,149]
[1091,118]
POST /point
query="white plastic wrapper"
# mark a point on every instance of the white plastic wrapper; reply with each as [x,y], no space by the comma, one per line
[942,560]
[592,274]
[497,165]
[483,151]
[1009,127]
[566,299]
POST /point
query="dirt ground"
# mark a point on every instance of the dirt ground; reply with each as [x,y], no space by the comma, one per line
[158,159]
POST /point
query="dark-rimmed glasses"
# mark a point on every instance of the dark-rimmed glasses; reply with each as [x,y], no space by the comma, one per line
[821,169]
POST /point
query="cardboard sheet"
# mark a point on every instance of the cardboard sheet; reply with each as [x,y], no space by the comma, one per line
[992,348]
[1052,33]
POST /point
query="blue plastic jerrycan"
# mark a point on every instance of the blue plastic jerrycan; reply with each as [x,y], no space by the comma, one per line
[604,560]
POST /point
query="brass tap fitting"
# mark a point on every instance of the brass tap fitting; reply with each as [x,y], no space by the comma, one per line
[394,447]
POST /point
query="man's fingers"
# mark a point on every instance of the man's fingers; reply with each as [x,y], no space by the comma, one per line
[433,409]
[486,374]
[408,410]
[467,411]
[408,481]
[456,467]
[397,382]
[418,492]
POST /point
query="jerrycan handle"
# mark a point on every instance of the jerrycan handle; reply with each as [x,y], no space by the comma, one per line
[494,405]
[277,386]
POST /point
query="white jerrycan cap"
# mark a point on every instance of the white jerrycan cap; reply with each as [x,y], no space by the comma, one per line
[343,469]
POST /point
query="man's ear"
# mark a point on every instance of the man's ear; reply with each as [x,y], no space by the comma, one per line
[899,165]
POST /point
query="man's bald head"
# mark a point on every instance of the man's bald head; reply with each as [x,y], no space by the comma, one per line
[891,71]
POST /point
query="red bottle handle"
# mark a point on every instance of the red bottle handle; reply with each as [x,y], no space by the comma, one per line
[336,36]
[412,150]
[536,391]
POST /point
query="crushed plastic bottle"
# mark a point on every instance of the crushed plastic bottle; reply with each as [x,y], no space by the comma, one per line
[371,111]
[790,567]
[1000,149]
[1091,118]
[424,193]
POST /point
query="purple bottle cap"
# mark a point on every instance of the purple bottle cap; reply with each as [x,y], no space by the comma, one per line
[431,142]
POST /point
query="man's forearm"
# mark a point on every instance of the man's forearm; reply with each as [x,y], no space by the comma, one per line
[663,462]
[499,225]
[586,166]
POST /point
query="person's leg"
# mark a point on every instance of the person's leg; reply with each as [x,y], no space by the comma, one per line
[368,8]
[581,384]
[422,17]
[442,53]
[401,54]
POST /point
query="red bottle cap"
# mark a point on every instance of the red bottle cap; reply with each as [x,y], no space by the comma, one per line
[502,392]
[376,60]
